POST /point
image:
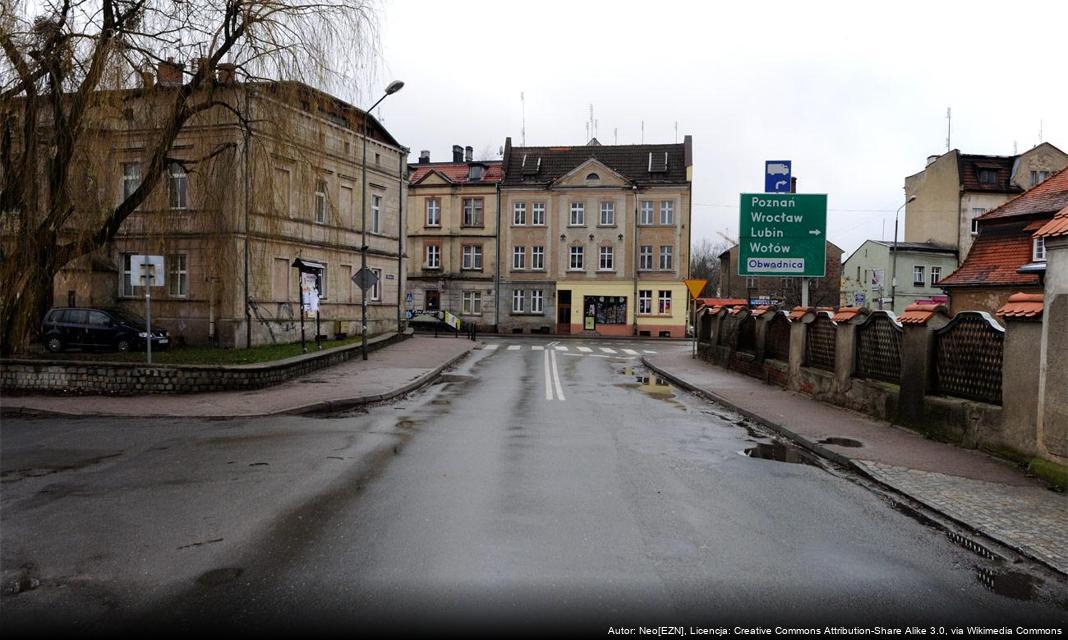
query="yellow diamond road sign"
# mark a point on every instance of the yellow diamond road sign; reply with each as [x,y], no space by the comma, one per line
[695,286]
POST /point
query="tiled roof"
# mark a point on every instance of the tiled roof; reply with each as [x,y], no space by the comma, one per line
[926,247]
[846,314]
[1058,226]
[919,314]
[761,310]
[457,172]
[970,165]
[630,161]
[1047,197]
[1022,305]
[719,302]
[797,313]
[998,252]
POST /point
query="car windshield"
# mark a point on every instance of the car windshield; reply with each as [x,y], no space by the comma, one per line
[128,317]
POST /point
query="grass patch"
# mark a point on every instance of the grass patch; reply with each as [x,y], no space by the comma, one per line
[198,355]
[1051,472]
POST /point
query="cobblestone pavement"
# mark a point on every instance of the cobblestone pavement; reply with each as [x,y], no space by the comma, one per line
[1030,519]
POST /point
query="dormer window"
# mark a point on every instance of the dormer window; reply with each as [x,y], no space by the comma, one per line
[593,177]
[1038,250]
[474,172]
[658,162]
[988,177]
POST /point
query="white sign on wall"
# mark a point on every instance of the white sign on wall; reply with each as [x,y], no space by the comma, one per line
[147,271]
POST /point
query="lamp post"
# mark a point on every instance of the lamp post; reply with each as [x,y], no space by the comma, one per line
[893,264]
[393,87]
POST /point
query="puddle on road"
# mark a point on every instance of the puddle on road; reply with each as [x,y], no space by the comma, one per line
[781,452]
[842,442]
[1011,584]
[654,386]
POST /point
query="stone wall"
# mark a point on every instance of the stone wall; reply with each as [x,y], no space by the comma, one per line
[125,379]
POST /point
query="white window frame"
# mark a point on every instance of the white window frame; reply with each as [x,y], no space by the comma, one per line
[376,214]
[130,179]
[578,215]
[919,275]
[178,275]
[607,259]
[432,256]
[936,275]
[127,286]
[608,213]
[647,212]
[645,301]
[177,187]
[663,301]
[376,290]
[517,301]
[537,214]
[519,257]
[519,214]
[320,201]
[1038,249]
[667,212]
[472,257]
[433,212]
[472,303]
[473,211]
[667,256]
[537,301]
[576,252]
[537,258]
[645,258]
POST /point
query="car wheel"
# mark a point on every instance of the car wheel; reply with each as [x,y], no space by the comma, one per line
[123,344]
[54,344]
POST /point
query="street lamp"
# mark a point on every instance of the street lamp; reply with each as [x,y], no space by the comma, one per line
[393,87]
[893,267]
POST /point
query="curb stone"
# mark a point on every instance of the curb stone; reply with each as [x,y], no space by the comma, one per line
[846,462]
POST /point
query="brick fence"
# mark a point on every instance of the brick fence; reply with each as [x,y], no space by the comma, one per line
[124,379]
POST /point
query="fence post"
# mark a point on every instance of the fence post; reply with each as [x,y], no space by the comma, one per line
[845,347]
[918,323]
[799,319]
[1022,316]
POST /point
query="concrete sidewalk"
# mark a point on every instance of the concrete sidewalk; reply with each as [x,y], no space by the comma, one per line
[387,372]
[977,491]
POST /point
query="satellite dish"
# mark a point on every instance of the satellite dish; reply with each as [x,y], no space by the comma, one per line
[500,151]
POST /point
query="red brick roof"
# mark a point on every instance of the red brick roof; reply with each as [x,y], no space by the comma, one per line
[797,313]
[970,165]
[996,255]
[1048,197]
[457,172]
[1022,305]
[1058,226]
[919,314]
[719,302]
[761,310]
[846,314]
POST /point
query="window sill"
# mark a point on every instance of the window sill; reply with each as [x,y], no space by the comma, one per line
[576,271]
[426,268]
[576,226]
[528,313]
[607,226]
[606,271]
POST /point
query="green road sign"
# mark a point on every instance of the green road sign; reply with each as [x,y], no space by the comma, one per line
[783,234]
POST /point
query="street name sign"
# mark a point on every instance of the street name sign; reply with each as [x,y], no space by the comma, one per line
[777,176]
[783,234]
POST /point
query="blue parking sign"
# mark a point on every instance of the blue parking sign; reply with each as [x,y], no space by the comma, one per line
[777,176]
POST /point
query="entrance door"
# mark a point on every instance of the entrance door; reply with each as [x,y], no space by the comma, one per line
[563,312]
[433,300]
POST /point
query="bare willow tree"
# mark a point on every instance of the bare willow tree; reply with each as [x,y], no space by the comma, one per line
[74,73]
[704,263]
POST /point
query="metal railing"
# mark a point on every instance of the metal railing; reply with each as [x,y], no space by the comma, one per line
[879,348]
[820,343]
[777,339]
[968,357]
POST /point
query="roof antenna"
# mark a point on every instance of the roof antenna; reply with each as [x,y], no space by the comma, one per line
[643,131]
[523,131]
[615,135]
[1040,123]
[676,132]
[949,124]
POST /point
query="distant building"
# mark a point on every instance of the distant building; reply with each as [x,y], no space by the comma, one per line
[1007,256]
[867,274]
[822,292]
[595,238]
[452,236]
[954,189]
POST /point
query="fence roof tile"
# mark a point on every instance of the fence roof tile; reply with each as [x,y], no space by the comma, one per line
[920,314]
[1022,305]
[846,314]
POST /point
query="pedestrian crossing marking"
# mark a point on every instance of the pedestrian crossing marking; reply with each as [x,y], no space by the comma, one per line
[491,347]
[647,351]
[585,350]
[514,347]
[582,350]
[537,347]
[560,348]
[630,352]
[607,350]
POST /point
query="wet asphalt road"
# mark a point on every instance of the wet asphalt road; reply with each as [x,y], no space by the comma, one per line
[551,488]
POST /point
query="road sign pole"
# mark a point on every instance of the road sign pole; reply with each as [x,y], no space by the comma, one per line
[804,292]
[148,324]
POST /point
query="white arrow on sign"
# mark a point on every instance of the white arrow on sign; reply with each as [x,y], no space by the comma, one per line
[814,232]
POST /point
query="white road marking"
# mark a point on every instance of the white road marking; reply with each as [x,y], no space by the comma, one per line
[630,352]
[548,379]
[491,347]
[647,351]
[513,347]
[560,348]
[537,347]
[585,350]
[556,374]
[607,350]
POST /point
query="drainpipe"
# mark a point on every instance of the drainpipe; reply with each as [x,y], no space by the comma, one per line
[247,134]
[401,197]
[637,259]
[497,266]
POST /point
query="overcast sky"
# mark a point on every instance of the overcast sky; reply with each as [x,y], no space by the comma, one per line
[854,93]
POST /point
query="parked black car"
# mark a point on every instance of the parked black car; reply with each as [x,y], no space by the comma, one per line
[103,329]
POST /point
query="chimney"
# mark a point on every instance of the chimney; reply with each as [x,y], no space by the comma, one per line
[931,159]
[424,156]
[203,70]
[148,79]
[457,153]
[469,154]
[226,73]
[169,73]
